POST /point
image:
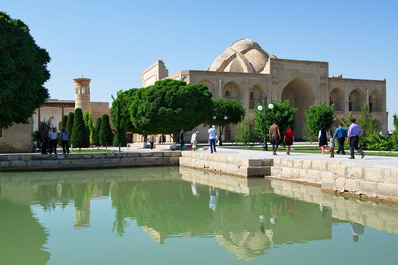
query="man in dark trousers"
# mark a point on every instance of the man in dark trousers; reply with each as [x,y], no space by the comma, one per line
[353,137]
[340,134]
[182,139]
[44,140]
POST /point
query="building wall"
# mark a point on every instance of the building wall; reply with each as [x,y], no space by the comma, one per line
[16,139]
[155,72]
[53,113]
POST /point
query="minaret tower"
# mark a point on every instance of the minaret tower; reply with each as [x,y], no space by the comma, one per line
[82,93]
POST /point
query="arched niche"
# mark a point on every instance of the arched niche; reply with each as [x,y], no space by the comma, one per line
[231,90]
[209,85]
[375,101]
[337,98]
[254,96]
[301,96]
[356,100]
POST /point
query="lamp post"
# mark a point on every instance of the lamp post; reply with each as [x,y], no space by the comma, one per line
[260,108]
[225,118]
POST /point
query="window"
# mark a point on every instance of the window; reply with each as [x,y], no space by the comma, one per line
[1,132]
[349,104]
[227,93]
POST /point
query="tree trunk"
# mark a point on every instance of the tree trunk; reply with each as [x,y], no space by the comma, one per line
[221,132]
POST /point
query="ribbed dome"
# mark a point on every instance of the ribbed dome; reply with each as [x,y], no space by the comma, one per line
[244,56]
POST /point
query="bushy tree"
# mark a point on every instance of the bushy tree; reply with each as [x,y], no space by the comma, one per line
[246,132]
[225,111]
[69,125]
[120,118]
[96,130]
[23,71]
[88,122]
[282,113]
[105,134]
[169,106]
[366,121]
[79,132]
[317,115]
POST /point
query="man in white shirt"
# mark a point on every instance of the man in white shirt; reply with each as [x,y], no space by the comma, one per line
[212,138]
[53,140]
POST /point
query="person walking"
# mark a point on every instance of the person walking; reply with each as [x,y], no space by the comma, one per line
[181,137]
[152,141]
[53,140]
[44,140]
[323,138]
[212,138]
[354,131]
[288,138]
[274,137]
[65,141]
[340,134]
[194,142]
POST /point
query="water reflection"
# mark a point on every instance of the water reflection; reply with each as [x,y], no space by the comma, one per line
[248,217]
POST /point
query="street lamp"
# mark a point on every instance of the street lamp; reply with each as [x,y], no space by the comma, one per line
[225,118]
[260,108]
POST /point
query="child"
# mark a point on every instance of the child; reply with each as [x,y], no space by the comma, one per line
[332,145]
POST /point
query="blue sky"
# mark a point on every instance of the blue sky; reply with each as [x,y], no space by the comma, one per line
[112,42]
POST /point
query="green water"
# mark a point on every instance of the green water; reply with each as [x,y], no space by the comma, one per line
[167,215]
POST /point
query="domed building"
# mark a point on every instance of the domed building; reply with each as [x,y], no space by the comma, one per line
[246,72]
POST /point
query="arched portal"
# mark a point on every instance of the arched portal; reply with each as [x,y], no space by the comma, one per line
[375,101]
[231,90]
[337,98]
[255,96]
[377,125]
[301,96]
[356,100]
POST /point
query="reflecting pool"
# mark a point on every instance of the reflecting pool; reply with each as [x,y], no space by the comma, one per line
[171,215]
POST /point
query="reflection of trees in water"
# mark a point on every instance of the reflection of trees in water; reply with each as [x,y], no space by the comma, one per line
[21,235]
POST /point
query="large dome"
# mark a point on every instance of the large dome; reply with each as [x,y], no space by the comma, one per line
[244,56]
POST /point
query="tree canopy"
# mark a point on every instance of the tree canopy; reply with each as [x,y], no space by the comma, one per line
[366,121]
[79,131]
[282,113]
[105,133]
[317,115]
[225,111]
[69,125]
[23,71]
[169,106]
[120,118]
[96,130]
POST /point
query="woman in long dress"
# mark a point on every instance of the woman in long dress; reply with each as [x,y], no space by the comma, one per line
[288,137]
[194,142]
[323,138]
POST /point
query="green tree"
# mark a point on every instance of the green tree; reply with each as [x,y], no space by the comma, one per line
[79,132]
[105,133]
[120,119]
[366,121]
[246,132]
[169,106]
[23,71]
[281,112]
[225,111]
[396,121]
[317,115]
[96,130]
[69,125]
[88,122]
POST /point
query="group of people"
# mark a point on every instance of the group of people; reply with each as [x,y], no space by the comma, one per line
[354,131]
[51,139]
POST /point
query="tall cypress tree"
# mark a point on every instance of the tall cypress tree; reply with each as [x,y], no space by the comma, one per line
[79,132]
[106,137]
[96,130]
[88,122]
[69,125]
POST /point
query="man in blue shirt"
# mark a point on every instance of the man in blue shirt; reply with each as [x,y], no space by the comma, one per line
[340,134]
[353,137]
[212,138]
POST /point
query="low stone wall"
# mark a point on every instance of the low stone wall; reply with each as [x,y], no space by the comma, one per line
[373,182]
[237,166]
[32,162]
